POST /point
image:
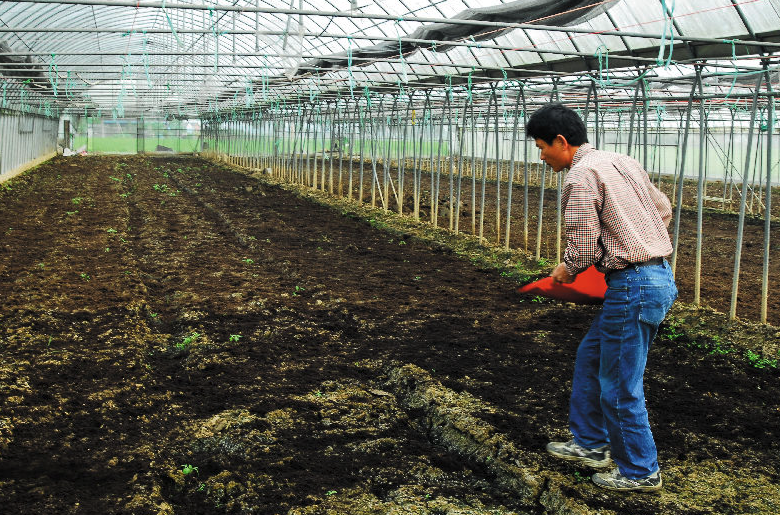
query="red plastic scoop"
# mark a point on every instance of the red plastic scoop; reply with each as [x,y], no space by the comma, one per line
[588,288]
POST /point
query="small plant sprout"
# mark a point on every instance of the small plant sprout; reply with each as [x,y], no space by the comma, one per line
[108,249]
[331,492]
[189,469]
[111,230]
[85,276]
[154,315]
[234,338]
[298,290]
[187,341]
[248,261]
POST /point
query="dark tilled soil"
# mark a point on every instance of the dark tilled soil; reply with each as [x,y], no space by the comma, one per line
[177,337]
[718,240]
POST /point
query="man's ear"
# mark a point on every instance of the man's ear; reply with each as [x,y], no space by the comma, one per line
[562,139]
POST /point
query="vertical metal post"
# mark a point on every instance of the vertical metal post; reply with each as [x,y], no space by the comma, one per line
[491,102]
[699,195]
[742,202]
[681,178]
[644,129]
[770,113]
[498,171]
[435,189]
[629,146]
[525,170]
[511,172]
[402,156]
[450,159]
[461,142]
[362,121]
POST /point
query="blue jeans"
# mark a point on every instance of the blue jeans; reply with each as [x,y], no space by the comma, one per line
[608,399]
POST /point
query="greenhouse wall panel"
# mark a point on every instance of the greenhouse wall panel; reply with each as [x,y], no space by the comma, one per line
[26,139]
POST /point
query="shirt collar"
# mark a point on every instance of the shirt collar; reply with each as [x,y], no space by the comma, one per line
[584,149]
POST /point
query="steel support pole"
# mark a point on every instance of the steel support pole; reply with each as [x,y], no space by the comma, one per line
[768,203]
[511,178]
[681,179]
[742,203]
[699,198]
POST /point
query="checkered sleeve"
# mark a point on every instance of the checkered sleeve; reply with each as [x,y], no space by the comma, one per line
[581,204]
[661,201]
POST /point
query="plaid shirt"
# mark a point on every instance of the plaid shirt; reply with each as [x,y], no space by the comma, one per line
[614,215]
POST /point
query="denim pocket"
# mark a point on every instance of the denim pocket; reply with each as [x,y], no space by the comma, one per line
[654,303]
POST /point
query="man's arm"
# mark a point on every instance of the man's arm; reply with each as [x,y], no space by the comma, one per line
[583,228]
[660,199]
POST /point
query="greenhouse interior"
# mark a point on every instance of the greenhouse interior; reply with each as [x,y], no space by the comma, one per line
[267,258]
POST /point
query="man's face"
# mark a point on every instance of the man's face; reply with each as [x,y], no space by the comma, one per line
[555,155]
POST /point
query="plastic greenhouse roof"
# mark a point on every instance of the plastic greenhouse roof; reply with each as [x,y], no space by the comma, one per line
[189,58]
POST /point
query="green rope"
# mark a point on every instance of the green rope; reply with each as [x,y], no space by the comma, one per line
[349,68]
[25,107]
[602,53]
[56,80]
[69,86]
[249,97]
[264,77]
[146,62]
[216,39]
[503,94]
[170,24]
[401,49]
[469,84]
[367,94]
[734,60]
[668,27]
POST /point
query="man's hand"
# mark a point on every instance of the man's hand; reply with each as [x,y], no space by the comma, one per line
[561,275]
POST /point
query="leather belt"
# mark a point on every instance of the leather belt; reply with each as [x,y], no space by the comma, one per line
[651,261]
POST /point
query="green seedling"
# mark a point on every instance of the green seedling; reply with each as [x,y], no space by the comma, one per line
[108,249]
[234,338]
[759,362]
[187,341]
[189,469]
[85,276]
[154,315]
[71,213]
[117,179]
[248,261]
[76,200]
[111,230]
[331,492]
[298,290]
[579,478]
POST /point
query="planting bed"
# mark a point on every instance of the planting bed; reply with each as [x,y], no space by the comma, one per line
[178,337]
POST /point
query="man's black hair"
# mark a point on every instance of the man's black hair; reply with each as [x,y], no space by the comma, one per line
[553,119]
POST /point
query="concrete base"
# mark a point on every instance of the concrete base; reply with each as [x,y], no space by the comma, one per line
[26,166]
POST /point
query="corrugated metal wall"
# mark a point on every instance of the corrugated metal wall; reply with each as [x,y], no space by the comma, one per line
[25,138]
